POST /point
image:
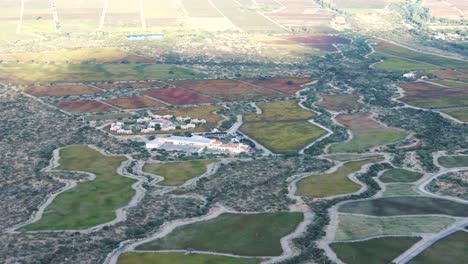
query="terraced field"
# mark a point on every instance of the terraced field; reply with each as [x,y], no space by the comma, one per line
[355,227]
[243,234]
[405,205]
[377,250]
[335,183]
[176,173]
[89,203]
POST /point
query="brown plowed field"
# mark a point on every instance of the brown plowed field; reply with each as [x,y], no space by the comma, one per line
[178,96]
[280,84]
[227,90]
[84,106]
[60,90]
[428,95]
[134,102]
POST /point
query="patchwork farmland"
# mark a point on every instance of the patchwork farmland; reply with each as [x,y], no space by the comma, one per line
[176,173]
[60,90]
[84,106]
[178,96]
[134,102]
[287,85]
[131,84]
[321,42]
[339,102]
[432,95]
[169,257]
[206,112]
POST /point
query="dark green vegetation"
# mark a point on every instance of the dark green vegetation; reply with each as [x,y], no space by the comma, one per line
[243,234]
[89,203]
[453,161]
[176,173]
[334,183]
[375,251]
[44,73]
[451,249]
[179,258]
[400,175]
[405,206]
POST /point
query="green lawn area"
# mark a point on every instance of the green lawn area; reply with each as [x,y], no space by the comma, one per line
[335,183]
[44,73]
[366,140]
[281,137]
[405,205]
[89,203]
[400,175]
[179,258]
[375,251]
[280,110]
[243,234]
[353,227]
[176,173]
[395,189]
[397,64]
[453,161]
[452,249]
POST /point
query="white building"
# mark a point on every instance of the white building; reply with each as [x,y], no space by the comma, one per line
[199,142]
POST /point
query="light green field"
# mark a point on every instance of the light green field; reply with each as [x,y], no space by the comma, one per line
[179,258]
[395,189]
[43,73]
[176,173]
[364,141]
[458,113]
[397,64]
[335,183]
[400,175]
[242,234]
[281,137]
[354,227]
[280,110]
[89,203]
[375,251]
[452,249]
[453,161]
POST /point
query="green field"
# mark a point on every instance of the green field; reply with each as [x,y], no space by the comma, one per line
[324,185]
[339,102]
[280,110]
[400,175]
[243,234]
[452,249]
[453,161]
[414,205]
[389,49]
[176,173]
[354,227]
[395,189]
[364,141]
[45,73]
[397,64]
[179,258]
[375,251]
[281,137]
[89,203]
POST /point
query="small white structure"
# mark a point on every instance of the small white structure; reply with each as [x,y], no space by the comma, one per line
[199,142]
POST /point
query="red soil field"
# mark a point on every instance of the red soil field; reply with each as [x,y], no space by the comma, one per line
[451,74]
[134,102]
[138,84]
[360,122]
[60,90]
[318,39]
[228,90]
[280,84]
[84,106]
[178,96]
[424,90]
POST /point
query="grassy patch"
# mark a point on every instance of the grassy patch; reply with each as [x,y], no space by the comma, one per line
[335,183]
[458,113]
[281,110]
[397,64]
[391,206]
[89,203]
[453,161]
[353,227]
[399,189]
[243,234]
[176,173]
[400,175]
[179,258]
[364,141]
[45,73]
[339,102]
[281,137]
[378,250]
[452,249]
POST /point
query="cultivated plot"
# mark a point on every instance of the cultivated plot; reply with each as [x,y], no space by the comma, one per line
[179,258]
[400,175]
[280,111]
[134,102]
[206,112]
[85,106]
[431,95]
[458,113]
[339,102]
[243,234]
[453,161]
[178,96]
[287,85]
[176,173]
[60,90]
[89,203]
[451,249]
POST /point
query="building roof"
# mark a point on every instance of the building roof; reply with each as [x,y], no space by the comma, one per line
[194,139]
